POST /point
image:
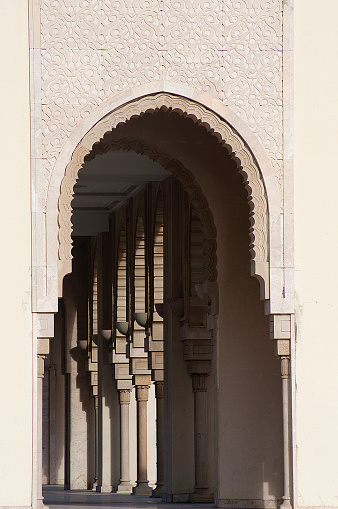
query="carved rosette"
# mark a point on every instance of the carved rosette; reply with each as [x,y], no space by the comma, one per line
[213,124]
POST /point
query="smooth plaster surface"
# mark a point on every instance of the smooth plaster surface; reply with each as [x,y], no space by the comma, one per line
[15,226]
[316,242]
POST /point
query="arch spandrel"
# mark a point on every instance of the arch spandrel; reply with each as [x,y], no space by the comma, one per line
[226,135]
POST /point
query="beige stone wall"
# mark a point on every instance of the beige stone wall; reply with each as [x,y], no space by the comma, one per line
[15,227]
[316,242]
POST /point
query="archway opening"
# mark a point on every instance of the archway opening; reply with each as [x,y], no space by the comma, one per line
[222,401]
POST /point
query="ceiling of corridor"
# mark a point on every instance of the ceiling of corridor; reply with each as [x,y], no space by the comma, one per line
[105,183]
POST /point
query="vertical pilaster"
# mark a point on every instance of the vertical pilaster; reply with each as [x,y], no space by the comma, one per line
[125,485]
[52,430]
[280,330]
[40,374]
[199,387]
[77,387]
[45,330]
[96,438]
[103,302]
[142,487]
[159,393]
[285,373]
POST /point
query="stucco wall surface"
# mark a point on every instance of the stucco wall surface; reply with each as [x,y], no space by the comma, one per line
[15,260]
[316,242]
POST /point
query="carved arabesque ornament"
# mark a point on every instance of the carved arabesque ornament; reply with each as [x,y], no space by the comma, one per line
[214,125]
[92,50]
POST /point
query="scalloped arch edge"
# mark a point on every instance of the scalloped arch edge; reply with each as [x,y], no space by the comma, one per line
[216,126]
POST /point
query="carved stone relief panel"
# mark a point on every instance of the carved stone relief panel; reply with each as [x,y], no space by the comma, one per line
[93,49]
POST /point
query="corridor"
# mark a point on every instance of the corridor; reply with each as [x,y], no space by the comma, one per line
[56,497]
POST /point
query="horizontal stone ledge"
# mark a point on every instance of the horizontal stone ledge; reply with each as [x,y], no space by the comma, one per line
[248,503]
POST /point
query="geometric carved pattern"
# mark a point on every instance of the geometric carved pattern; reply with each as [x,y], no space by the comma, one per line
[217,127]
[93,50]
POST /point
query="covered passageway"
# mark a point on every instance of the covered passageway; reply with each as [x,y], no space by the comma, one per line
[161,378]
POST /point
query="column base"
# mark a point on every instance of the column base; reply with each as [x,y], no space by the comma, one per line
[142,488]
[158,491]
[124,487]
[286,504]
[201,498]
[40,504]
[104,489]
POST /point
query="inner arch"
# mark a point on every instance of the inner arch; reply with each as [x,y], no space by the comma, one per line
[214,125]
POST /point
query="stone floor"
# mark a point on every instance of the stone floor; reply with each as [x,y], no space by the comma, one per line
[57,498]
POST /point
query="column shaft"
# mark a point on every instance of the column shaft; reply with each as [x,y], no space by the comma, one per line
[96,438]
[142,487]
[40,373]
[159,393]
[124,485]
[201,446]
[285,371]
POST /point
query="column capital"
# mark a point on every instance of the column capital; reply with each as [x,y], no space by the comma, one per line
[285,367]
[199,382]
[96,401]
[159,389]
[142,392]
[41,365]
[124,396]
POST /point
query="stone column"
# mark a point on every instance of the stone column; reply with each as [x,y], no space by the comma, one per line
[199,387]
[159,393]
[142,487]
[285,372]
[96,438]
[280,331]
[125,485]
[40,374]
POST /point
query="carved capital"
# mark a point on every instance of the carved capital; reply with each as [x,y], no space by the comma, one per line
[199,382]
[282,347]
[208,293]
[96,402]
[285,367]
[142,392]
[41,365]
[159,390]
[124,397]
